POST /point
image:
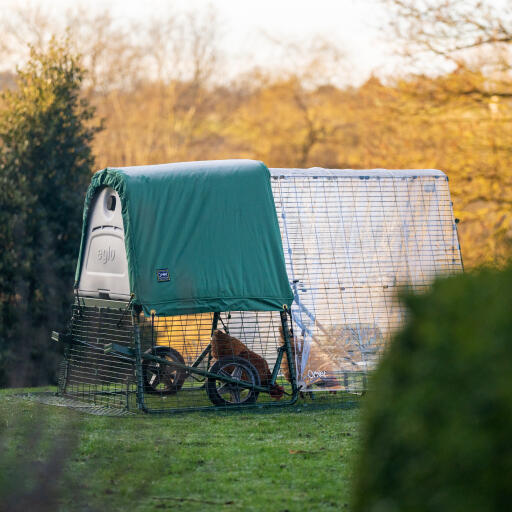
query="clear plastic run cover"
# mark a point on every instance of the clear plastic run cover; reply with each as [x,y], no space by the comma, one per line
[351,239]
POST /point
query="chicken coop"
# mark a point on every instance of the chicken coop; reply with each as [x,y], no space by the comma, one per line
[225,284]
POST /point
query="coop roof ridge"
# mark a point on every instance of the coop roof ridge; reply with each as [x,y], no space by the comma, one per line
[355,173]
[227,165]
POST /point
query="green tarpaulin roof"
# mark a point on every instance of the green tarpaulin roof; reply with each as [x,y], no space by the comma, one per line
[211,225]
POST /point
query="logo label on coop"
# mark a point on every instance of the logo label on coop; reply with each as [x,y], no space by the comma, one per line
[162,275]
[106,255]
[317,374]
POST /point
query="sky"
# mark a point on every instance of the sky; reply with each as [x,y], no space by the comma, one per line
[355,26]
[248,26]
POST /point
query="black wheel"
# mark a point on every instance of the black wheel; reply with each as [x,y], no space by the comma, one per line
[163,379]
[225,393]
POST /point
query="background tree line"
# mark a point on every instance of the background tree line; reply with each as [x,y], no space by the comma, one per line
[160,94]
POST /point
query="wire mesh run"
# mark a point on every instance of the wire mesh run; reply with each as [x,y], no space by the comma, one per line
[118,358]
[50,398]
[351,240]
[87,373]
[222,360]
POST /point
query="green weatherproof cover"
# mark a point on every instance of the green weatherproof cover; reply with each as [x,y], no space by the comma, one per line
[199,236]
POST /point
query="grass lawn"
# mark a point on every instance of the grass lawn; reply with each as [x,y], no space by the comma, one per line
[296,458]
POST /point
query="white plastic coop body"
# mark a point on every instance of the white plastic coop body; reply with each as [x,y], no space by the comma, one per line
[104,272]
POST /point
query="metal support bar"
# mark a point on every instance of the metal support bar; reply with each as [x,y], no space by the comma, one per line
[153,329]
[215,322]
[204,353]
[289,355]
[114,347]
[120,349]
[204,373]
[277,366]
[138,367]
[68,340]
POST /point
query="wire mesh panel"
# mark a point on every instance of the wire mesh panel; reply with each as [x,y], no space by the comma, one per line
[88,373]
[221,360]
[351,240]
[117,357]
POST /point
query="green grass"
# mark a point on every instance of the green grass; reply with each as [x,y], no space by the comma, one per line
[296,458]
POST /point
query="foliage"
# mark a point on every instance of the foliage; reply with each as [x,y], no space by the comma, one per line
[45,164]
[436,430]
[294,459]
[467,44]
[165,98]
[408,123]
[455,32]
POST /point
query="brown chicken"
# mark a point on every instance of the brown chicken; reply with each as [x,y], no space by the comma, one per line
[225,345]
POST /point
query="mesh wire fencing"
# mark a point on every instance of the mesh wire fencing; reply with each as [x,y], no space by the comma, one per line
[87,373]
[117,358]
[352,240]
[52,398]
[241,346]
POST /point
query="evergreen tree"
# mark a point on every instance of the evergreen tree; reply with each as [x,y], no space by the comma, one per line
[45,165]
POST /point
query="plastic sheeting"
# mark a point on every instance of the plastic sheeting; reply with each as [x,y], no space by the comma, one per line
[351,240]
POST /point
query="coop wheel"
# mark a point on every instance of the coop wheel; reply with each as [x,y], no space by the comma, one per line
[228,393]
[160,378]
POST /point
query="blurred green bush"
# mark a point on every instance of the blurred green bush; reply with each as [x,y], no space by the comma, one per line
[437,430]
